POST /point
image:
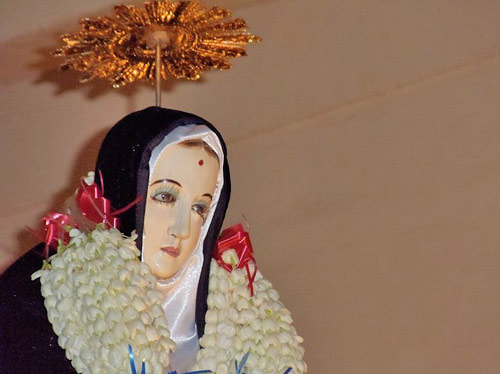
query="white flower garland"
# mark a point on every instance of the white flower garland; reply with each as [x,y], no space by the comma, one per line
[237,323]
[100,298]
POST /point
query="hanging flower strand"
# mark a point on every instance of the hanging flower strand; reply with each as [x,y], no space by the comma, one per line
[119,47]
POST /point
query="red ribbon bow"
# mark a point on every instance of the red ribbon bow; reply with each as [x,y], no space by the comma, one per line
[95,206]
[238,239]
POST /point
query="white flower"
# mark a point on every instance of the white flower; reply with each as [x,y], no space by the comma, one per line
[89,179]
[241,292]
[230,257]
[245,332]
[220,301]
[226,329]
[211,316]
[248,315]
[238,277]
[210,328]
[98,297]
[223,341]
[213,285]
[268,325]
[207,340]
[223,284]
[273,294]
[256,324]
[222,369]
[237,323]
[242,304]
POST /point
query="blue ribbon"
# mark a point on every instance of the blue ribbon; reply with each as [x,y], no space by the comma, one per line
[239,368]
[132,361]
[243,363]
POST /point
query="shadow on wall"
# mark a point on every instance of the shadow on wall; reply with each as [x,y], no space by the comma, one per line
[49,70]
[82,164]
[33,54]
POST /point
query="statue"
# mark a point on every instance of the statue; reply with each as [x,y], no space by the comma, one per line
[166,177]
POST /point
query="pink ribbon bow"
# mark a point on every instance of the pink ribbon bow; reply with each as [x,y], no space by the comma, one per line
[55,230]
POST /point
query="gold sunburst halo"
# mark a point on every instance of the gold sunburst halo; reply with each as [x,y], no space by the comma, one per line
[194,39]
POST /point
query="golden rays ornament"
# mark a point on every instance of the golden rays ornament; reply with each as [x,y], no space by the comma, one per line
[183,38]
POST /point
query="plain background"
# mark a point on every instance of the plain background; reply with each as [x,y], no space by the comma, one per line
[364,148]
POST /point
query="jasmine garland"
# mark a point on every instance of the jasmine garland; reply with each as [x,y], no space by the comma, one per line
[237,323]
[100,298]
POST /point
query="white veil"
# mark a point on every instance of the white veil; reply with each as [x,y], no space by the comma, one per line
[179,292]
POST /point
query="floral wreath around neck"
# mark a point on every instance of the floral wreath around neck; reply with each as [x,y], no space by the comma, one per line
[102,303]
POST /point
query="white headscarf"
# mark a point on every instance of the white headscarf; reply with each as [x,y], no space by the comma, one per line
[179,292]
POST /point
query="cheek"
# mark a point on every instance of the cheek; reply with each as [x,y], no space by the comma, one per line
[157,217]
[155,223]
[195,228]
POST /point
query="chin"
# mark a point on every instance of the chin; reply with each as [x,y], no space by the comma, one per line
[163,275]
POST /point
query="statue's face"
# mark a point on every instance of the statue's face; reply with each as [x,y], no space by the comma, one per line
[181,187]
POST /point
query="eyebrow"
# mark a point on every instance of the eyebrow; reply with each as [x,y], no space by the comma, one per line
[177,183]
[166,181]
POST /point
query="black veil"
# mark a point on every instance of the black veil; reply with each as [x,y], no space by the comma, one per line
[27,342]
[123,162]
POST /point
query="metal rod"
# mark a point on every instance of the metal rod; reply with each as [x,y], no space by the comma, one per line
[158,74]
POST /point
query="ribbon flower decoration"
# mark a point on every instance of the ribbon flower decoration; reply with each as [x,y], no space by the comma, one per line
[238,239]
[92,204]
[96,207]
[55,230]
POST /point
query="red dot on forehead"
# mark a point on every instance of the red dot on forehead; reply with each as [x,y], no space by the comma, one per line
[200,162]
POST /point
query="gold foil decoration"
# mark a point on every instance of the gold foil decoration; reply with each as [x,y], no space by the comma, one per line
[121,47]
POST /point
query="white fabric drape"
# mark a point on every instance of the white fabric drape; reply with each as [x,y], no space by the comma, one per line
[179,292]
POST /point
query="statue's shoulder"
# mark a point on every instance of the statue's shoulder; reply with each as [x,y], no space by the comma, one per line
[27,342]
[16,285]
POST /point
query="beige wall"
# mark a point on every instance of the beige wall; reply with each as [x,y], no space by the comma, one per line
[364,148]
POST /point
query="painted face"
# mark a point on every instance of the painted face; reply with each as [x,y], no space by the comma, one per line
[181,187]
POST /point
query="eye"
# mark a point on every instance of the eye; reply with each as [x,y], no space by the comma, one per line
[164,197]
[200,209]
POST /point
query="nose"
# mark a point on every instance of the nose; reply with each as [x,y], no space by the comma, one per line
[180,224]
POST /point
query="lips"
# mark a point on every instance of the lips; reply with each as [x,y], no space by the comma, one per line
[170,250]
